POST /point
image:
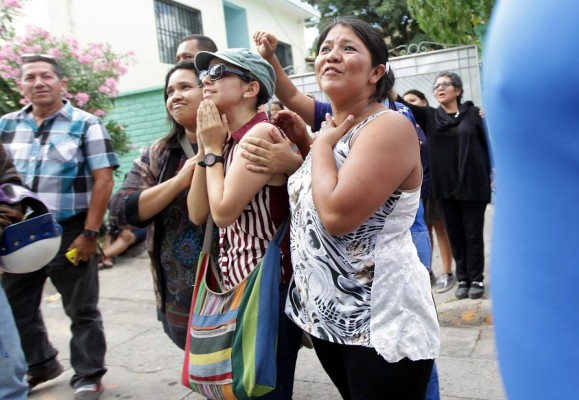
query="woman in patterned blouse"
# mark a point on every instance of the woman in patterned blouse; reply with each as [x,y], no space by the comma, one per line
[154,195]
[359,288]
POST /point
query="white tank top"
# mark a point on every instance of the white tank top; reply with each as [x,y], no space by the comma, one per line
[365,288]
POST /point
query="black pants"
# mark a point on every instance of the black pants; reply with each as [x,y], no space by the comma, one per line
[79,288]
[361,373]
[465,225]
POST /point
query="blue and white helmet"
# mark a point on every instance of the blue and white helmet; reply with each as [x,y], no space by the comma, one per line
[28,245]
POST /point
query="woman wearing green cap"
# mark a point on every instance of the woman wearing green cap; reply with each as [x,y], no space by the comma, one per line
[247,207]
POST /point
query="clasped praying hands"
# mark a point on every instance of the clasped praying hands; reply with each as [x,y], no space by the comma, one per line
[212,128]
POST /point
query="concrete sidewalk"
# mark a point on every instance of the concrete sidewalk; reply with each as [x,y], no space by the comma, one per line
[145,365]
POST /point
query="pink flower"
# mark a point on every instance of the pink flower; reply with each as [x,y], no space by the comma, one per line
[99,113]
[72,42]
[85,59]
[111,82]
[54,52]
[33,49]
[36,31]
[97,46]
[81,98]
[96,53]
[11,3]
[13,73]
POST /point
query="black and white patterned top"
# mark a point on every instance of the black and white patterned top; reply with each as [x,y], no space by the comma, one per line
[334,295]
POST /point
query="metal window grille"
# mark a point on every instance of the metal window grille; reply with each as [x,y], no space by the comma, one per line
[174,22]
[283,52]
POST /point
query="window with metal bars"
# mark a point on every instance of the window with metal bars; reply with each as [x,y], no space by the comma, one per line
[283,52]
[174,22]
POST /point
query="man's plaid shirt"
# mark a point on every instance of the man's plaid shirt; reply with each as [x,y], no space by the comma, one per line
[55,160]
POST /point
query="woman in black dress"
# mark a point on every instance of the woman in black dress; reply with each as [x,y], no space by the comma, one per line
[460,176]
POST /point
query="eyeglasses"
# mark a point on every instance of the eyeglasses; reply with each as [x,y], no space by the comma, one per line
[443,85]
[217,72]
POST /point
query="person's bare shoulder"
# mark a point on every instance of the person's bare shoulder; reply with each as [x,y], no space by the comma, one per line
[391,124]
[261,130]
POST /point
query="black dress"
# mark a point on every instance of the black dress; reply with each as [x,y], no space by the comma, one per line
[460,178]
[458,151]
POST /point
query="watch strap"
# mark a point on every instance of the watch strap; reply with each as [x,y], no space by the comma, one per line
[211,159]
[90,234]
[219,159]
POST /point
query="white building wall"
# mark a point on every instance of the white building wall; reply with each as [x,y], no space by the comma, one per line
[129,25]
[282,19]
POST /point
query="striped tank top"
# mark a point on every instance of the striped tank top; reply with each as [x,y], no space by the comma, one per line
[242,244]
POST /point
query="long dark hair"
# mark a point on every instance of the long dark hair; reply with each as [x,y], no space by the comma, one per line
[374,42]
[176,130]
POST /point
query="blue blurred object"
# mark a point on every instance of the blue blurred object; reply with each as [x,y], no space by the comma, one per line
[531,98]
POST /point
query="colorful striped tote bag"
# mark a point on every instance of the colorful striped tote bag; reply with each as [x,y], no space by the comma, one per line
[232,341]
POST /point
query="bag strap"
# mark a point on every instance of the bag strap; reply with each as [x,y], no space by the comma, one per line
[186,146]
[280,234]
[208,239]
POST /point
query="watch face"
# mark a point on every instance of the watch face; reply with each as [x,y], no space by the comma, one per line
[209,159]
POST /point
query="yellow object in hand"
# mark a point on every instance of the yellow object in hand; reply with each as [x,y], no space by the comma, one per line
[71,255]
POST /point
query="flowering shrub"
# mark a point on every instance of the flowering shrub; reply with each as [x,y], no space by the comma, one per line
[92,71]
[8,9]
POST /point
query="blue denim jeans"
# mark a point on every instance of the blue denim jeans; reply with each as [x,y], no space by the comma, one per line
[13,385]
[422,243]
[433,390]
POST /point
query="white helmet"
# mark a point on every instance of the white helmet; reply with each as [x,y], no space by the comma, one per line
[28,245]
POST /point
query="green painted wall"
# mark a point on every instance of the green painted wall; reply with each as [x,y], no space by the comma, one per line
[144,114]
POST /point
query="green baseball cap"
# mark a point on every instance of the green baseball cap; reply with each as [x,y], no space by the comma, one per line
[244,59]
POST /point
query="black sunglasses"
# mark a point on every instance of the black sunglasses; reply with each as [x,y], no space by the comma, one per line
[217,72]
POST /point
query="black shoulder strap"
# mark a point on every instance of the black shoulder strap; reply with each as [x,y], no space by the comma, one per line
[168,172]
[208,239]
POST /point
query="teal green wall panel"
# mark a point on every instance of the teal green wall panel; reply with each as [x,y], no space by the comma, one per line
[144,114]
[236,26]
